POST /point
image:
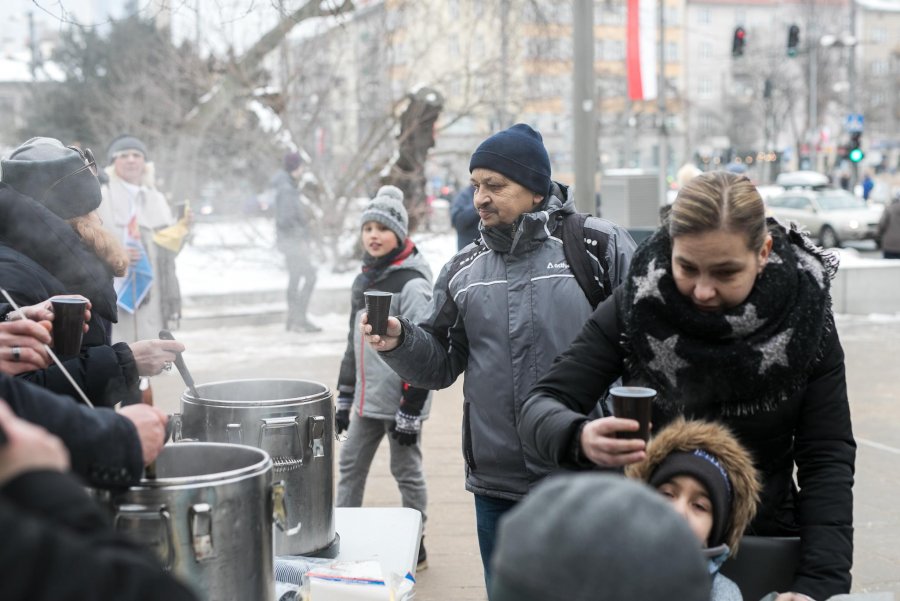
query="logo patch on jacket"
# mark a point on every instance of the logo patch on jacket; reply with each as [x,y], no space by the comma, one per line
[552,265]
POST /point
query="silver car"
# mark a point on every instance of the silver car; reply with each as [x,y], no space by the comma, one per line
[832,215]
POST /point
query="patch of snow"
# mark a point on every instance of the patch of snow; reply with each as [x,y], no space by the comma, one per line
[240,256]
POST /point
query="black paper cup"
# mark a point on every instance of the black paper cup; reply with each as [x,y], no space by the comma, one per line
[68,325]
[378,307]
[633,402]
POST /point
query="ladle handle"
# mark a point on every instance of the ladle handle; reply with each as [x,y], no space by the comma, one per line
[180,364]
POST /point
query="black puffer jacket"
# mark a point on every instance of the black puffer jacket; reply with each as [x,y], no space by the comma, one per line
[812,430]
[104,446]
[58,545]
[41,256]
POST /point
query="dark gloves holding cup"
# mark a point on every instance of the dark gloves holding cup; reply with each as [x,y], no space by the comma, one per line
[406,428]
[342,414]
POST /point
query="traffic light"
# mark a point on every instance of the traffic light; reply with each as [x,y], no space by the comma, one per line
[793,40]
[855,153]
[740,39]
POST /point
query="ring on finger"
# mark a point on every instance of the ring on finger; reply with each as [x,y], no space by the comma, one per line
[167,366]
[16,353]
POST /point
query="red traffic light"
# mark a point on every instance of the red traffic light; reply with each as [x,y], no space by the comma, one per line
[737,44]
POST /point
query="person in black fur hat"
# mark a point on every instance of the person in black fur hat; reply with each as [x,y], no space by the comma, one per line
[52,243]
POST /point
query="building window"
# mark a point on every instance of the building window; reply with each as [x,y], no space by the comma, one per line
[705,50]
[615,50]
[703,15]
[612,14]
[671,52]
[879,67]
[877,35]
[704,87]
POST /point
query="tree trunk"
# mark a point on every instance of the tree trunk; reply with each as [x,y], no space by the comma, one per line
[416,136]
[232,86]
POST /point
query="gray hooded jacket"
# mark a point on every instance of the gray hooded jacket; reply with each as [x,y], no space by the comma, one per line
[503,309]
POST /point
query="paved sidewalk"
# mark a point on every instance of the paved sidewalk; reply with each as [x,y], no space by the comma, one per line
[455,572]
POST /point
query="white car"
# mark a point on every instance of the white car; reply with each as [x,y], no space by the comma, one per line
[832,215]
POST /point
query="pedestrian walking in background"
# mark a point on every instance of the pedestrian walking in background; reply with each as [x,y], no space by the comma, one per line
[503,309]
[709,478]
[728,317]
[889,229]
[464,217]
[373,401]
[293,240]
[867,184]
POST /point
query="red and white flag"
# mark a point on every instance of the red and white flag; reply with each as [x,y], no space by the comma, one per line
[640,51]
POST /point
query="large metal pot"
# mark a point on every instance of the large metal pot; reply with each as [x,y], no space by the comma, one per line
[208,515]
[293,421]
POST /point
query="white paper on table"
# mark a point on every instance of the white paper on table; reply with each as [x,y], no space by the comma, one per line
[349,581]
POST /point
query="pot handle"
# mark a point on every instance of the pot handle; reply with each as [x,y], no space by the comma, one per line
[282,463]
[201,531]
[317,435]
[160,515]
[279,510]
[175,423]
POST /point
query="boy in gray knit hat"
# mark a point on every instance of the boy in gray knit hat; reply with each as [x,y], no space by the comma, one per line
[373,401]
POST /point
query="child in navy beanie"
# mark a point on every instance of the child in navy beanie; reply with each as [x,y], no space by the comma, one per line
[519,154]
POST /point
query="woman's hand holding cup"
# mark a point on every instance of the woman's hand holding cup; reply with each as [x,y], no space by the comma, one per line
[600,444]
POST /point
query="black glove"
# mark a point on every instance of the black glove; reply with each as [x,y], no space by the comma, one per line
[406,428]
[342,415]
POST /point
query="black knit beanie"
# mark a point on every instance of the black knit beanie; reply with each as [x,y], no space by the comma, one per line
[704,467]
[125,142]
[519,154]
[39,163]
[292,161]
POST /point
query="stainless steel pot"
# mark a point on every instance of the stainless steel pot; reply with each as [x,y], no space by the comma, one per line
[293,421]
[208,515]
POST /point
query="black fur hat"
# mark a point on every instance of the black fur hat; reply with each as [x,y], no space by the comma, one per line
[53,175]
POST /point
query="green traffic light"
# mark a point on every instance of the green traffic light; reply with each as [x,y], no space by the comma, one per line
[856,155]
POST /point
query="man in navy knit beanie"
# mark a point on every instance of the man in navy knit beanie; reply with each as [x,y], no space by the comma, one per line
[503,308]
[519,154]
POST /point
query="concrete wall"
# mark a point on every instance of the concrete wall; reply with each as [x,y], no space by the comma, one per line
[871,286]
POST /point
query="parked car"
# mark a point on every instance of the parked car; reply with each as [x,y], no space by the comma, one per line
[832,215]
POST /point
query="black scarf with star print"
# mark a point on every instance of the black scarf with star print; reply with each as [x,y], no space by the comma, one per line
[739,361]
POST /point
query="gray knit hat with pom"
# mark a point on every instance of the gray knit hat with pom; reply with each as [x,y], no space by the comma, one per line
[387,209]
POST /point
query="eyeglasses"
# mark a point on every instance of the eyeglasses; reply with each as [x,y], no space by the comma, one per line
[89,164]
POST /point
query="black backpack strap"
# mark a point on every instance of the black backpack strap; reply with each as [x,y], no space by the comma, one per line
[396,280]
[577,242]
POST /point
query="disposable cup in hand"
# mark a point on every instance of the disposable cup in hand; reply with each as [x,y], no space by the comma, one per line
[378,306]
[68,325]
[633,402]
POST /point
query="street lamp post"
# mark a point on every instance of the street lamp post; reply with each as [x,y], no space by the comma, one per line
[845,40]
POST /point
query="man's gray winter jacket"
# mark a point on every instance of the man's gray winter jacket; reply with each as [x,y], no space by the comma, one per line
[503,309]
